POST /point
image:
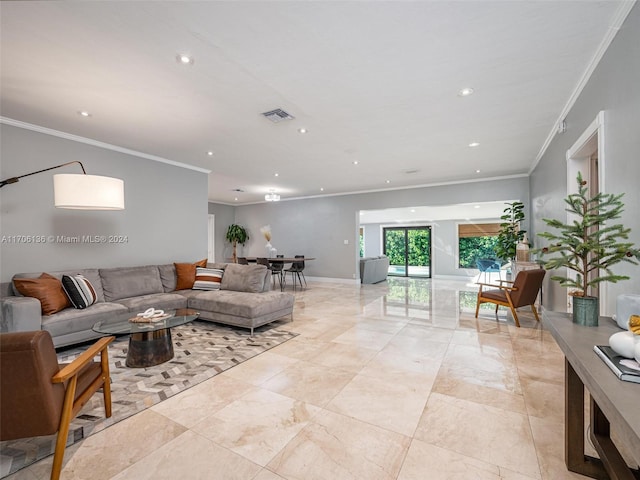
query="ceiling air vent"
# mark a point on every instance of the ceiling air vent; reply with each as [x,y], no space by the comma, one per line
[278,115]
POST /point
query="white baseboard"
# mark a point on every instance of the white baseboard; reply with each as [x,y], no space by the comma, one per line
[350,281]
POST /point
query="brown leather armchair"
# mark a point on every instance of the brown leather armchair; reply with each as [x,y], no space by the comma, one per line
[523,291]
[40,397]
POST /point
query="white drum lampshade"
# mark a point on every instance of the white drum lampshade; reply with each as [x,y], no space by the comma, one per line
[88,192]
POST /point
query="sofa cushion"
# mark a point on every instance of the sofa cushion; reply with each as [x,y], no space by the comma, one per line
[241,304]
[168,277]
[244,278]
[91,274]
[130,282]
[71,320]
[47,289]
[79,290]
[186,273]
[161,301]
[208,278]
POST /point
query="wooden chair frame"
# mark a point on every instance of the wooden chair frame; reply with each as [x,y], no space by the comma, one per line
[508,303]
[71,406]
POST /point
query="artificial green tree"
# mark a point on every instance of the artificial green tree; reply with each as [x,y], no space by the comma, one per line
[510,233]
[589,245]
[236,234]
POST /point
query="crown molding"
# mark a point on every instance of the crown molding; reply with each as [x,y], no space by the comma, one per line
[96,143]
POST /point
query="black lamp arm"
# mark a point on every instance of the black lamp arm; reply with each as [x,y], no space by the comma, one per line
[16,179]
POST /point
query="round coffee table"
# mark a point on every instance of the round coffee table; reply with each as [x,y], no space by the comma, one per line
[149,343]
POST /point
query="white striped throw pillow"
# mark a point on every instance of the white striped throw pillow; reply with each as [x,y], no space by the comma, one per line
[79,290]
[208,278]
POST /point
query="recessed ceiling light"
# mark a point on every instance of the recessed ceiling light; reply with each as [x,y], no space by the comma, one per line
[302,130]
[355,162]
[84,113]
[236,199]
[413,210]
[276,174]
[184,59]
[474,144]
[210,153]
[322,189]
[387,181]
[476,206]
[465,92]
[477,171]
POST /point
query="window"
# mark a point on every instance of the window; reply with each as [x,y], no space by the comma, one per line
[476,240]
[361,242]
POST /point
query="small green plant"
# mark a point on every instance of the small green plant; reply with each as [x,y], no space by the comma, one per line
[589,245]
[510,233]
[236,234]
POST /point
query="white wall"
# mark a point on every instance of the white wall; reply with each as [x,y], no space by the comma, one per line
[164,221]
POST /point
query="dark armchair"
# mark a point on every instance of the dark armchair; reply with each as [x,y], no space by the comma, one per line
[41,397]
[522,292]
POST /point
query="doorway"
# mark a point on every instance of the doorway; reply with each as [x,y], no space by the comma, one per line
[409,250]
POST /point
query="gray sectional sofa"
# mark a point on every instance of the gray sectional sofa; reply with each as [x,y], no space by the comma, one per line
[374,269]
[245,300]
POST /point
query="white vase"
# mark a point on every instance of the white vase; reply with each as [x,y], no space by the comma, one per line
[268,247]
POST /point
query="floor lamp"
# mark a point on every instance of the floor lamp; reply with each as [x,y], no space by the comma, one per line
[82,191]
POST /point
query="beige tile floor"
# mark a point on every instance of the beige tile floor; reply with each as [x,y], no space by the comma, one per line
[389,381]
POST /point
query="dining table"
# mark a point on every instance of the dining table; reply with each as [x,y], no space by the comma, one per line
[282,260]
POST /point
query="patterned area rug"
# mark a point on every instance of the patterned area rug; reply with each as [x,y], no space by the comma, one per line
[202,350]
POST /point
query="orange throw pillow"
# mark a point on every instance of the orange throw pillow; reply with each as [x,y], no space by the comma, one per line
[186,273]
[48,289]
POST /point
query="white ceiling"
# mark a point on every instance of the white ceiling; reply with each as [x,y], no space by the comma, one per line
[373,82]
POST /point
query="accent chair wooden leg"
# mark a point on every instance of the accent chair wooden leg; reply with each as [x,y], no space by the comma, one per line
[106,378]
[477,307]
[513,310]
[63,429]
[535,312]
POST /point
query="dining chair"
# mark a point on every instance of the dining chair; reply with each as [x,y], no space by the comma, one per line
[297,269]
[277,270]
[40,396]
[243,261]
[522,292]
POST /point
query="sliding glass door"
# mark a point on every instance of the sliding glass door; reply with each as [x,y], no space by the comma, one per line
[409,251]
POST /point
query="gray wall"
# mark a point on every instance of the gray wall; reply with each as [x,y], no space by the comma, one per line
[317,227]
[613,88]
[164,221]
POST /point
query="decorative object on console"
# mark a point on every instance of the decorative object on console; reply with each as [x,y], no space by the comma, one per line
[82,192]
[626,306]
[522,249]
[589,245]
[236,234]
[624,368]
[624,343]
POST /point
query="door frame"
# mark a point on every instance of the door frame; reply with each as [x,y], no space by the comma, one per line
[406,228]
[578,158]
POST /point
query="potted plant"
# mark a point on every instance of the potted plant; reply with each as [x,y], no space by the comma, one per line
[589,246]
[510,233]
[236,234]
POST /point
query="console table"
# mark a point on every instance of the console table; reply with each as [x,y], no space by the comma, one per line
[613,402]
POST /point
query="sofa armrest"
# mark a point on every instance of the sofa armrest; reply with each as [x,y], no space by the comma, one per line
[20,314]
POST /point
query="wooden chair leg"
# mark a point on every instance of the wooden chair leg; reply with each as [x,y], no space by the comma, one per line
[106,386]
[535,312]
[477,307]
[515,316]
[63,429]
